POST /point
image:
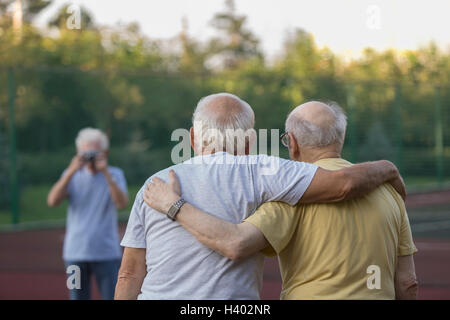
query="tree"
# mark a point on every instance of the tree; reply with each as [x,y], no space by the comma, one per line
[306,71]
[30,8]
[237,42]
[63,14]
[300,56]
[193,55]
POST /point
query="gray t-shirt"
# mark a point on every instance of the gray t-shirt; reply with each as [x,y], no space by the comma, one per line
[91,227]
[228,187]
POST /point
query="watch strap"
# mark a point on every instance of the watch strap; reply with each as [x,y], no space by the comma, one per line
[175,208]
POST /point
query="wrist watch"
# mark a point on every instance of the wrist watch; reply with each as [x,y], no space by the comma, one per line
[175,208]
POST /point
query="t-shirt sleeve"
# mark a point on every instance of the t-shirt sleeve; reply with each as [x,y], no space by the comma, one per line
[406,244]
[278,222]
[135,232]
[278,179]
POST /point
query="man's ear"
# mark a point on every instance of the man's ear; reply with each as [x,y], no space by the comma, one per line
[250,140]
[294,150]
[192,138]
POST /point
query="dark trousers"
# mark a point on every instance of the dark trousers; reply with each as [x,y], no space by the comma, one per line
[105,273]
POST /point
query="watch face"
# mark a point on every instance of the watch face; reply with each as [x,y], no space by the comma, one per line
[172,212]
[175,208]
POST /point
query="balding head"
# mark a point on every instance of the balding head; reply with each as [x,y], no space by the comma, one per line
[316,124]
[315,112]
[223,107]
[221,119]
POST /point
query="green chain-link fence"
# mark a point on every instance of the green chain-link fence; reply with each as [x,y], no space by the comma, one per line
[42,109]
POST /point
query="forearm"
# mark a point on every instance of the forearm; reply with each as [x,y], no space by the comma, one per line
[365,177]
[128,286]
[406,284]
[234,241]
[406,288]
[216,234]
[59,190]
[119,197]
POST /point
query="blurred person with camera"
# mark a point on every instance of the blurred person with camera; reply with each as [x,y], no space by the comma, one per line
[95,191]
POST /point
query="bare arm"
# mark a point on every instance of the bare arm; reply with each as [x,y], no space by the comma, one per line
[238,241]
[119,197]
[131,274]
[59,190]
[234,241]
[406,285]
[352,182]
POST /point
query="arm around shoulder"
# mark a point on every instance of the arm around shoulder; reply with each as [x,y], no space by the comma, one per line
[352,182]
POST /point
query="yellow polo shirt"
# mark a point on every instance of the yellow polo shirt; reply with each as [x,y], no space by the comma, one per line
[346,250]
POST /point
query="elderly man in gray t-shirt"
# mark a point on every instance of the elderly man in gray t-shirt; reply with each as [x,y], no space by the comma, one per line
[163,261]
[94,191]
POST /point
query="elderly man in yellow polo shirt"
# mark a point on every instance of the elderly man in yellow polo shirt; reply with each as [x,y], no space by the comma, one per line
[357,249]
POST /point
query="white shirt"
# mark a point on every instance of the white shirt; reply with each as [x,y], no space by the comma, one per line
[228,187]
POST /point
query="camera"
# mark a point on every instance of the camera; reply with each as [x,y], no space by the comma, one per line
[89,156]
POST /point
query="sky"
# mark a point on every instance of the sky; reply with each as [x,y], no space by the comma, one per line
[345,26]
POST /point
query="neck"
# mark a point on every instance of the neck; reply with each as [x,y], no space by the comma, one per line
[312,155]
[206,152]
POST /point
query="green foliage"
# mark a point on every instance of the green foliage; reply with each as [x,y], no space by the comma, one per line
[34,207]
[139,90]
[60,19]
[236,43]
[30,8]
[377,145]
[4,182]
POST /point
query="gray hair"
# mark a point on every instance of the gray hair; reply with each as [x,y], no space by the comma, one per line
[87,135]
[311,135]
[218,132]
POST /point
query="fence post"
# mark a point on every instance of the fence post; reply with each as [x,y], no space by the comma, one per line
[398,128]
[352,135]
[438,137]
[13,181]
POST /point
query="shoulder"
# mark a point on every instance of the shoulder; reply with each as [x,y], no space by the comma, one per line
[391,196]
[333,163]
[162,174]
[263,158]
[275,220]
[116,170]
[276,208]
[274,213]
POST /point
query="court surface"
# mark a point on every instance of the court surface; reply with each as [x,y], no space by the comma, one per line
[31,266]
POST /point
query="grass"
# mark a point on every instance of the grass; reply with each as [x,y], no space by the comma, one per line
[33,206]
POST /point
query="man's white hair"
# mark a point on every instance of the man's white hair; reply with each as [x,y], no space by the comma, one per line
[309,134]
[223,132]
[88,135]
